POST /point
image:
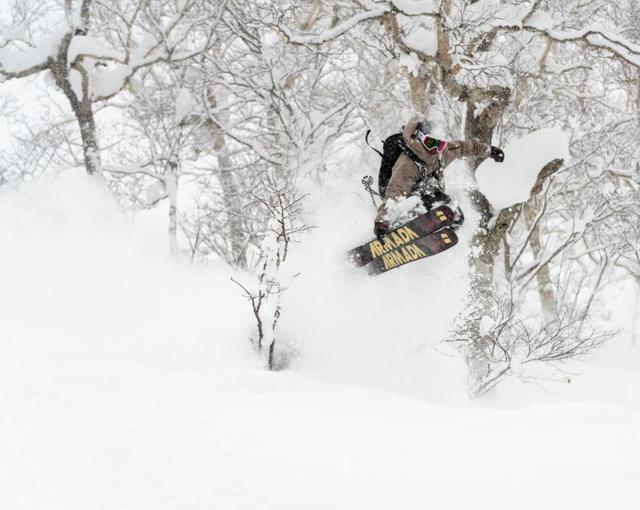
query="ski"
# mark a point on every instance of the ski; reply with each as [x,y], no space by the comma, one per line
[406,234]
[416,249]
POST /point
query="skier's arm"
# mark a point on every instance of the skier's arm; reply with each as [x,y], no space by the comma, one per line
[465,149]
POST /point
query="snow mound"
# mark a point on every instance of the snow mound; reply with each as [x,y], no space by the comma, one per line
[509,183]
[77,274]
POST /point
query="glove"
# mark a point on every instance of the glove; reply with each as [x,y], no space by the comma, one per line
[380,229]
[496,154]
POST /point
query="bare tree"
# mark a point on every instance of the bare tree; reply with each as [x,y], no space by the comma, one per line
[264,295]
[266,107]
[102,47]
[160,148]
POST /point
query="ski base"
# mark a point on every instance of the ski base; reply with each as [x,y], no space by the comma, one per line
[416,249]
[421,226]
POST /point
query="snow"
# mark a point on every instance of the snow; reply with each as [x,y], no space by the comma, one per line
[126,381]
[497,12]
[422,39]
[17,61]
[410,62]
[14,32]
[403,210]
[108,81]
[486,325]
[13,61]
[509,183]
[339,321]
[135,437]
[413,7]
[77,277]
[91,46]
[184,104]
[338,30]
[154,191]
[542,20]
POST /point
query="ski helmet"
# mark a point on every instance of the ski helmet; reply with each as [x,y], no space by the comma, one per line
[424,128]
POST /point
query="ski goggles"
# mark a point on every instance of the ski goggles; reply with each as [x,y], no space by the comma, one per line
[433,144]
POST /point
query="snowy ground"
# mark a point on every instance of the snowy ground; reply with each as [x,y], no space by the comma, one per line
[126,381]
[131,436]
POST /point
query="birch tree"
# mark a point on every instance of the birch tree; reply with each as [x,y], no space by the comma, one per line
[92,49]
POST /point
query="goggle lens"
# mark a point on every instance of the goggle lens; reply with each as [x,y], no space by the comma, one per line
[433,144]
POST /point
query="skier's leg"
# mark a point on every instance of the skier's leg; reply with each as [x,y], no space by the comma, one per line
[428,200]
[440,197]
[458,219]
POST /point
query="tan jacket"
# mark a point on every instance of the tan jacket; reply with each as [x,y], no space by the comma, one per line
[405,175]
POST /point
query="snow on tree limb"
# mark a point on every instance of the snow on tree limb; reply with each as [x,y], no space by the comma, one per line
[416,7]
[531,20]
[139,169]
[126,62]
[35,58]
[532,11]
[406,7]
[337,31]
[595,37]
[515,180]
[8,74]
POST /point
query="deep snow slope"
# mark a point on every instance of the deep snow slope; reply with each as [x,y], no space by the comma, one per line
[126,381]
[78,433]
[77,275]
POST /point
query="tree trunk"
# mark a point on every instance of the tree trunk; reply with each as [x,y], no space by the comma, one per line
[232,201]
[230,191]
[486,241]
[418,90]
[82,106]
[171,188]
[546,293]
[90,150]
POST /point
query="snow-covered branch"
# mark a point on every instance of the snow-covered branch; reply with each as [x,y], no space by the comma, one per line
[593,36]
[336,31]
[375,10]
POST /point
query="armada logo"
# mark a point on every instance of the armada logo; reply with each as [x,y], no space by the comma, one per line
[402,255]
[393,241]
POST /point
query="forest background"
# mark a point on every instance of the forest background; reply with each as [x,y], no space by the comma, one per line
[238,126]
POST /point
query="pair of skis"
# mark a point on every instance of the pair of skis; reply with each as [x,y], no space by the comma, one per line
[424,236]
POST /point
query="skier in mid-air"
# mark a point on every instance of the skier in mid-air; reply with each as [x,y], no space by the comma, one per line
[419,167]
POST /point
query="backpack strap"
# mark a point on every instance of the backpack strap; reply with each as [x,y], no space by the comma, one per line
[366,139]
[422,166]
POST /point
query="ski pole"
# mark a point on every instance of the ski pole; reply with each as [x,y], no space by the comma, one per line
[367,182]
